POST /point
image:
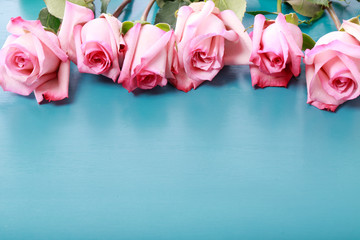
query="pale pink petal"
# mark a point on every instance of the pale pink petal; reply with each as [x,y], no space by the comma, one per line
[259,22]
[183,82]
[294,38]
[115,25]
[236,52]
[151,55]
[156,56]
[200,75]
[172,65]
[354,68]
[117,44]
[80,59]
[10,39]
[57,88]
[352,29]
[183,15]
[131,40]
[48,62]
[262,80]
[348,49]
[317,96]
[152,41]
[73,15]
[275,50]
[195,21]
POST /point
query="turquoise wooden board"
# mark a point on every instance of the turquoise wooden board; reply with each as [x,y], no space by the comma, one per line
[222,162]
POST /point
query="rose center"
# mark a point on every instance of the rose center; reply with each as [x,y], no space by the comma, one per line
[97,57]
[277,61]
[342,84]
[19,62]
[122,48]
[201,60]
[148,80]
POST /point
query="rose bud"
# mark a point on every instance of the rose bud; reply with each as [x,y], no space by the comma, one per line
[333,70]
[95,45]
[276,53]
[32,60]
[207,39]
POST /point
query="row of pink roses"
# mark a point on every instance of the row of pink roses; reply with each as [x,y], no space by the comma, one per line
[332,66]
[204,40]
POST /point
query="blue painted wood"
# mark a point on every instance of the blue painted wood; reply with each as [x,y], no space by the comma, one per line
[222,162]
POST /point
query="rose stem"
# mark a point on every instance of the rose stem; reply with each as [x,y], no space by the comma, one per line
[121,8]
[279,2]
[147,10]
[333,15]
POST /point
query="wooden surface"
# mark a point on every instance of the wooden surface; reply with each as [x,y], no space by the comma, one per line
[222,162]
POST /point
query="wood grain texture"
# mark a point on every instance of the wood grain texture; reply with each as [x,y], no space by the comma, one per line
[222,162]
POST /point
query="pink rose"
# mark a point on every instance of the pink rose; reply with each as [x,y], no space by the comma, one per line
[32,60]
[95,45]
[207,39]
[276,53]
[148,59]
[333,70]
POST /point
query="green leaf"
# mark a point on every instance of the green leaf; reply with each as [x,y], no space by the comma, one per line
[313,19]
[90,4]
[355,20]
[238,6]
[305,7]
[320,2]
[292,18]
[308,42]
[166,14]
[163,26]
[161,3]
[142,22]
[126,26]
[104,5]
[50,22]
[57,7]
[254,13]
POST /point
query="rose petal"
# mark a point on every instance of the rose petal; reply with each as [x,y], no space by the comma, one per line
[259,22]
[131,40]
[352,29]
[183,15]
[57,88]
[294,39]
[73,15]
[48,62]
[262,80]
[198,74]
[150,55]
[236,52]
[194,22]
[172,65]
[117,46]
[317,96]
